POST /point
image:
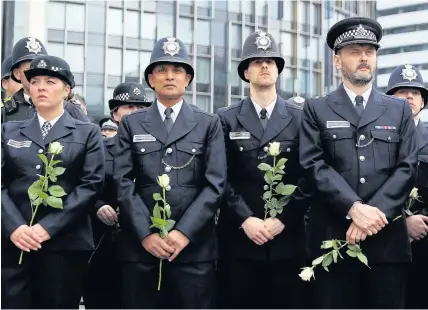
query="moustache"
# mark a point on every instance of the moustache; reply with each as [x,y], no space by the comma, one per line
[364,67]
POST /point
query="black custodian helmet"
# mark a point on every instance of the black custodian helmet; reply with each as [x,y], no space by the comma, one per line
[50,66]
[5,67]
[26,49]
[259,44]
[169,50]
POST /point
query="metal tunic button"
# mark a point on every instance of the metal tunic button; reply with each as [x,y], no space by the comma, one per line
[334,136]
[193,151]
[362,137]
[168,188]
[143,150]
[38,167]
[362,158]
[167,169]
[40,151]
[169,150]
[362,180]
[241,148]
[288,149]
[266,149]
[389,138]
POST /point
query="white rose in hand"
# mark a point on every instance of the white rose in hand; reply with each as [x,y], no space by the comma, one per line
[274,149]
[163,180]
[55,148]
[307,273]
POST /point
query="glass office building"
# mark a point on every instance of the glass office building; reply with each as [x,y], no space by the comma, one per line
[107,43]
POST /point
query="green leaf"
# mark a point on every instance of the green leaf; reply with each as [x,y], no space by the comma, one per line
[327,244]
[279,210]
[54,162]
[53,178]
[56,191]
[363,258]
[264,167]
[408,212]
[43,158]
[43,195]
[286,190]
[277,177]
[169,225]
[157,211]
[335,256]
[267,195]
[158,221]
[157,197]
[33,190]
[354,248]
[326,269]
[58,171]
[54,202]
[272,213]
[328,259]
[281,162]
[163,232]
[351,253]
[268,177]
[283,201]
[317,261]
[50,170]
[37,202]
[168,211]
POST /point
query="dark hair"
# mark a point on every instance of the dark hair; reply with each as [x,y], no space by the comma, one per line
[73,97]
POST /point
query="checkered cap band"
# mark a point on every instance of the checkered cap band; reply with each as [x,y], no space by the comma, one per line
[122,97]
[356,34]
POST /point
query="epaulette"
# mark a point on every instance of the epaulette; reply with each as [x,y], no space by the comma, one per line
[296,102]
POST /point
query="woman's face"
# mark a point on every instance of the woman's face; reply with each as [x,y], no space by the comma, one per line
[48,92]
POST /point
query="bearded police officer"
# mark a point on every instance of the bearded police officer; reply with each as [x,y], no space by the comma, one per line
[260,257]
[360,147]
[20,106]
[8,85]
[174,138]
[406,82]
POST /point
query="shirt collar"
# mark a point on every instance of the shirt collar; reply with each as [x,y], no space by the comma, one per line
[27,97]
[52,122]
[352,95]
[269,108]
[175,108]
[416,122]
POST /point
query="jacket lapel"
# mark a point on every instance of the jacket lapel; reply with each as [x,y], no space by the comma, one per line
[342,105]
[153,124]
[278,121]
[110,143]
[31,129]
[374,109]
[61,128]
[422,131]
[183,124]
[249,119]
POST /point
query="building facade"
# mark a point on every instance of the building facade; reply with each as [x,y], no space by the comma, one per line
[107,43]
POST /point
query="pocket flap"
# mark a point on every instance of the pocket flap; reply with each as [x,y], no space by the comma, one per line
[146,147]
[337,134]
[190,147]
[385,135]
[245,145]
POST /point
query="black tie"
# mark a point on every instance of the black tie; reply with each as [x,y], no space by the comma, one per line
[168,120]
[359,104]
[263,118]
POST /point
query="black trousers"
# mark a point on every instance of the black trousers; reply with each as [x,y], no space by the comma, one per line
[184,286]
[45,280]
[352,285]
[102,285]
[416,297]
[255,284]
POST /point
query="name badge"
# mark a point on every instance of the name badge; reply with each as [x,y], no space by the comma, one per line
[143,138]
[241,135]
[18,144]
[338,124]
[386,127]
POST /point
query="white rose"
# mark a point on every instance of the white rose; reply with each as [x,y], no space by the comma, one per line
[55,148]
[274,149]
[414,193]
[163,180]
[307,273]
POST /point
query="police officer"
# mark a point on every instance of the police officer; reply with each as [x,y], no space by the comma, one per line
[58,244]
[108,127]
[360,147]
[260,257]
[103,284]
[178,139]
[8,85]
[406,82]
[20,106]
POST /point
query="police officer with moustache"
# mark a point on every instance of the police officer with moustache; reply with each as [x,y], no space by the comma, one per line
[260,259]
[20,105]
[103,284]
[360,147]
[406,82]
[8,85]
[178,139]
[58,244]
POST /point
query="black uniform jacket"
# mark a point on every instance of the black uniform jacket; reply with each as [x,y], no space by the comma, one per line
[195,146]
[370,159]
[422,174]
[83,158]
[247,144]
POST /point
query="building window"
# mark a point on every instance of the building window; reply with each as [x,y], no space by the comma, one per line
[95,57]
[56,13]
[185,27]
[115,22]
[114,60]
[247,31]
[203,34]
[75,15]
[316,83]
[55,49]
[132,24]
[94,96]
[98,24]
[287,44]
[274,9]
[203,70]
[203,102]
[75,57]
[234,6]
[148,27]
[236,36]
[108,96]
[288,80]
[165,24]
[234,76]
[131,63]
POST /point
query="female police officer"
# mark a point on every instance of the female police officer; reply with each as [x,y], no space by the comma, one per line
[60,240]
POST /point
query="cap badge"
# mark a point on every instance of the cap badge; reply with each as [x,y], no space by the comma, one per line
[263,41]
[42,64]
[122,97]
[360,32]
[409,73]
[136,91]
[171,46]
[33,46]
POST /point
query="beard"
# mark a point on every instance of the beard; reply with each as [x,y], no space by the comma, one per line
[355,78]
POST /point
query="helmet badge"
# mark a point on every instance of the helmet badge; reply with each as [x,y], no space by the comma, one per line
[33,46]
[263,41]
[171,46]
[409,73]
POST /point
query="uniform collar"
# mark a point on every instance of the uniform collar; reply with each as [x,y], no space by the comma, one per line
[269,108]
[352,95]
[52,122]
[175,108]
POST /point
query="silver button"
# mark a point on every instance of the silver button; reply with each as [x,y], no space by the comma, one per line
[38,167]
[288,149]
[169,150]
[266,149]
[266,187]
[362,180]
[193,151]
[334,136]
[362,158]
[389,138]
[40,151]
[362,137]
[143,150]
[168,188]
[167,169]
[241,148]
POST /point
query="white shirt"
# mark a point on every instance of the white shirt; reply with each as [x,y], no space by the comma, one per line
[416,122]
[175,110]
[353,95]
[52,122]
[27,97]
[269,108]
